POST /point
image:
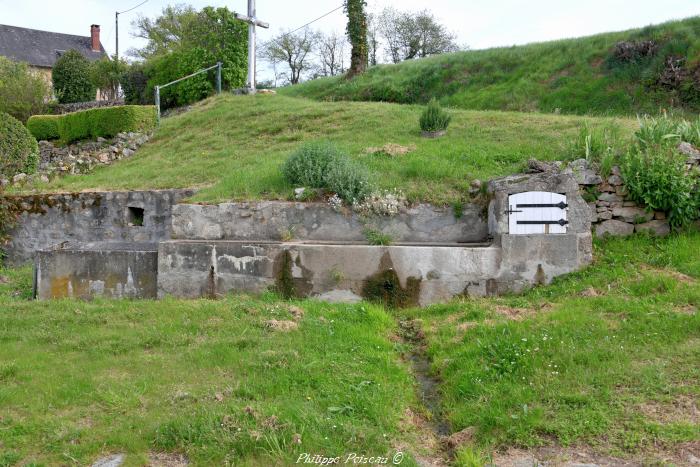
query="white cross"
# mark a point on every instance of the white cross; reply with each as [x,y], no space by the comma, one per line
[252,22]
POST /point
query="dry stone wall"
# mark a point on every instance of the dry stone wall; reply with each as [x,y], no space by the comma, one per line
[611,212]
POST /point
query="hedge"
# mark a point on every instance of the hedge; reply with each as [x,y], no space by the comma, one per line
[106,122]
[92,123]
[19,152]
[44,126]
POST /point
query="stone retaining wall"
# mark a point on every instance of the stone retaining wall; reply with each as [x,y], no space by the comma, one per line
[47,220]
[278,220]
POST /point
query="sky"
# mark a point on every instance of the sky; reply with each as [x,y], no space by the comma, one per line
[477,24]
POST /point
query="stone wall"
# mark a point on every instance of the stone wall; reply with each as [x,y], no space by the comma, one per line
[78,158]
[610,210]
[47,220]
[276,220]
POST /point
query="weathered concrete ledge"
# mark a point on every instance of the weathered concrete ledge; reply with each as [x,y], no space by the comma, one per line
[113,216]
[279,220]
[112,270]
[417,274]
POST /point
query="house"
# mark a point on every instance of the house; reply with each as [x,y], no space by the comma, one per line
[41,49]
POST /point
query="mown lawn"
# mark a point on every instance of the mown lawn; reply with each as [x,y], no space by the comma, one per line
[604,360]
[232,147]
[203,379]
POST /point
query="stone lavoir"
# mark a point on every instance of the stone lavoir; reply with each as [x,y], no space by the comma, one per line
[150,245]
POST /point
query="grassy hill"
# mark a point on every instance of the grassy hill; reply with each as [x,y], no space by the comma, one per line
[232,147]
[580,76]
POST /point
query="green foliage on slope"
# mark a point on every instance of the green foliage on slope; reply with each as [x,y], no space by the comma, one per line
[582,76]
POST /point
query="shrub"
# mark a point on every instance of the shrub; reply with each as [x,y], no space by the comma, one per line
[308,166]
[633,51]
[657,178]
[22,92]
[434,118]
[105,122]
[43,126]
[169,67]
[349,180]
[323,165]
[19,151]
[71,78]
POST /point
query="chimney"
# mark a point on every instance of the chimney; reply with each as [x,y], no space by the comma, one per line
[95,36]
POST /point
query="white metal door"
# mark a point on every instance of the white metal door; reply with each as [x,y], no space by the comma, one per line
[537,212]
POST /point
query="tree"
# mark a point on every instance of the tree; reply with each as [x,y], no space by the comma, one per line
[414,35]
[71,78]
[357,35]
[372,38]
[106,74]
[134,83]
[23,93]
[293,50]
[214,31]
[331,52]
[165,32]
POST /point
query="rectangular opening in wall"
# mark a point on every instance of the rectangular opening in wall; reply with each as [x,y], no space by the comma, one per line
[134,216]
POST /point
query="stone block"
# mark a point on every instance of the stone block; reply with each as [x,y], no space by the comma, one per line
[632,214]
[658,227]
[615,228]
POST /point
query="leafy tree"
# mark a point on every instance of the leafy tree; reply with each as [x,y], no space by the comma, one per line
[414,35]
[106,74]
[357,35]
[182,29]
[23,93]
[293,50]
[71,78]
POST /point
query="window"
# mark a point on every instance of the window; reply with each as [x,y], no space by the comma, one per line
[134,216]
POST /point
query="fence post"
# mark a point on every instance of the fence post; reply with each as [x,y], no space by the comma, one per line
[157,99]
[218,77]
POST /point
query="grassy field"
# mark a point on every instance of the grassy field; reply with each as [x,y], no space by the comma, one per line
[232,147]
[205,379]
[572,75]
[603,361]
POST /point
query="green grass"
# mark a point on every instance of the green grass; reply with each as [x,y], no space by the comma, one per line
[232,147]
[571,75]
[616,369]
[202,378]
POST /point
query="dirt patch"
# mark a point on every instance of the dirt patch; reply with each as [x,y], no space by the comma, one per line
[686,309]
[590,292]
[461,438]
[281,325]
[683,408]
[296,312]
[167,459]
[516,314]
[424,445]
[391,149]
[672,273]
[555,456]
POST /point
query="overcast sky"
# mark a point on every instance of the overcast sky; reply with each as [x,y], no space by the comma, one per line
[478,24]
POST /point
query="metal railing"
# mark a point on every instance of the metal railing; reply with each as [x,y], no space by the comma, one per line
[157,89]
